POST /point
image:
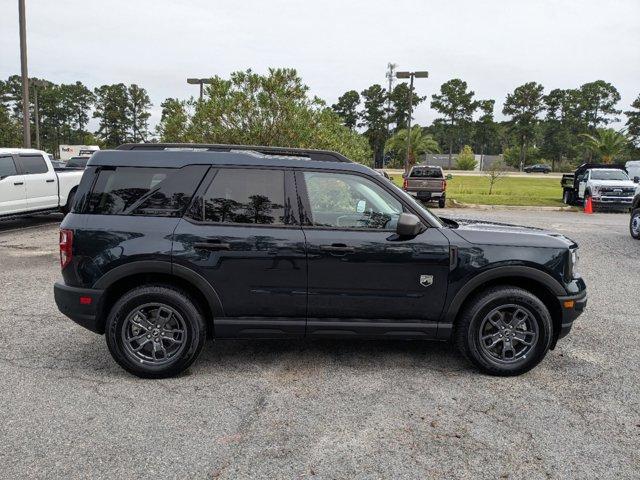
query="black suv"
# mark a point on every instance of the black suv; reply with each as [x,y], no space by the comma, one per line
[168,245]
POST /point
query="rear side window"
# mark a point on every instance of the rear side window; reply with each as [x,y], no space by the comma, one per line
[77,162]
[7,167]
[243,196]
[32,164]
[423,172]
[158,192]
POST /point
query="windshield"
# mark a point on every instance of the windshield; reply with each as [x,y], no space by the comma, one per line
[608,175]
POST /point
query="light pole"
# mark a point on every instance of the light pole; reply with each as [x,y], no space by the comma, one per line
[37,83]
[26,130]
[411,76]
[201,82]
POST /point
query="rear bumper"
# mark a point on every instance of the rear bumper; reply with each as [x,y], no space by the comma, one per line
[80,305]
[572,307]
[425,195]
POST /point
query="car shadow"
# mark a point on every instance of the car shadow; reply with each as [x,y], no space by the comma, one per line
[30,221]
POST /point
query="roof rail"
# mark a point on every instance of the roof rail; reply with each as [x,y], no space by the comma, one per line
[319,155]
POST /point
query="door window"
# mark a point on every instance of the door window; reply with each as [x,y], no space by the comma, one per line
[239,195]
[7,167]
[32,164]
[350,201]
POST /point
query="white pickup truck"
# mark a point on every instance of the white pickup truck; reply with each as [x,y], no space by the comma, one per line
[30,184]
[607,186]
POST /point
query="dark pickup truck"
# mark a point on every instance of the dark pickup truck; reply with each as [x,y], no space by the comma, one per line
[169,245]
[426,183]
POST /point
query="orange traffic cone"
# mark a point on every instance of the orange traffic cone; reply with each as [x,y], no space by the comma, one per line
[588,207]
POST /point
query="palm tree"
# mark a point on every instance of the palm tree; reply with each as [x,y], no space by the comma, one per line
[606,144]
[420,143]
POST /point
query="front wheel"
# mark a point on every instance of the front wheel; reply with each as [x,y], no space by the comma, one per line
[504,331]
[155,331]
[634,223]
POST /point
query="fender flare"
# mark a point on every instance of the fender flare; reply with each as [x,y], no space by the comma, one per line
[553,285]
[168,268]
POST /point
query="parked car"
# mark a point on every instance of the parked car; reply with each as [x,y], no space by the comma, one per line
[426,183]
[538,168]
[164,249]
[634,222]
[30,184]
[78,163]
[607,185]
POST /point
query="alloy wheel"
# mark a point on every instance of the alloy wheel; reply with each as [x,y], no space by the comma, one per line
[153,334]
[508,333]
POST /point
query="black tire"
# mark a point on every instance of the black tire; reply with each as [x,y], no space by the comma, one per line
[191,331]
[567,197]
[467,334]
[442,202]
[635,229]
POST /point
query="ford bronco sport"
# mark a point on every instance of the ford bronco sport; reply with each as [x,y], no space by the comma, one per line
[168,245]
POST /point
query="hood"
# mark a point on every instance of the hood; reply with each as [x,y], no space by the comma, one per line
[613,183]
[494,233]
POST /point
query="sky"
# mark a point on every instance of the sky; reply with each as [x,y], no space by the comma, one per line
[336,45]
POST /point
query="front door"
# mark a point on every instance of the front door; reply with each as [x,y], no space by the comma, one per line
[363,278]
[242,234]
[13,194]
[42,188]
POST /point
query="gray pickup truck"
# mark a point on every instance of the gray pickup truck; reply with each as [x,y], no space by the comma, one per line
[426,183]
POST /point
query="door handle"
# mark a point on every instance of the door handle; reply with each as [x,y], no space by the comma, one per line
[51,180]
[337,248]
[18,183]
[213,245]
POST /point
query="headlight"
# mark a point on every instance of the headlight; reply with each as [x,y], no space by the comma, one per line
[595,191]
[573,266]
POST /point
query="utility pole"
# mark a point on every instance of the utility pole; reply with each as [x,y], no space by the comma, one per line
[391,68]
[26,127]
[201,82]
[37,83]
[410,76]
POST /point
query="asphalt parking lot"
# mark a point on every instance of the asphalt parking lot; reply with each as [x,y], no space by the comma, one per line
[322,409]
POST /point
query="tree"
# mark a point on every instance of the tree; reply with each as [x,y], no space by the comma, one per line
[77,101]
[561,126]
[456,105]
[347,108]
[174,122]
[111,110]
[374,119]
[273,109]
[495,172]
[597,103]
[485,130]
[466,159]
[606,144]
[138,104]
[524,105]
[420,144]
[400,105]
[10,132]
[633,122]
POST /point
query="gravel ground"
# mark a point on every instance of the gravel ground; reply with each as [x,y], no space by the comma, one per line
[322,409]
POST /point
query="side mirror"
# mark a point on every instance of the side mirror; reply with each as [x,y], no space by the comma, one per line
[580,178]
[404,175]
[636,179]
[409,225]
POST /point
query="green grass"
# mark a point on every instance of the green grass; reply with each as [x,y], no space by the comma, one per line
[534,191]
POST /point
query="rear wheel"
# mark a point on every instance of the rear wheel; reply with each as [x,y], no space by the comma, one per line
[567,197]
[155,331]
[634,223]
[442,202]
[67,208]
[504,331]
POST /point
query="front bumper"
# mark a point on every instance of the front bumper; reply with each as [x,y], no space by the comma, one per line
[613,201]
[572,307]
[80,304]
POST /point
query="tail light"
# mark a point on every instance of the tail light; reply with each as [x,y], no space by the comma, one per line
[444,185]
[66,247]
[405,184]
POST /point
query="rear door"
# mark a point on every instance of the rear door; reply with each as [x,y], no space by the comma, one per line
[242,234]
[40,181]
[13,194]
